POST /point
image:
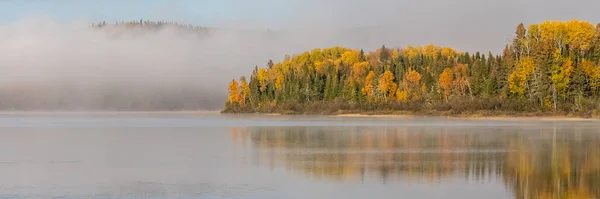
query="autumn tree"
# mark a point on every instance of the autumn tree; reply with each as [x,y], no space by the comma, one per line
[369,89]
[462,83]
[262,76]
[561,76]
[520,75]
[412,84]
[446,82]
[386,85]
[593,75]
[245,91]
[234,92]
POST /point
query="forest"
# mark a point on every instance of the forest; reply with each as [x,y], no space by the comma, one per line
[551,68]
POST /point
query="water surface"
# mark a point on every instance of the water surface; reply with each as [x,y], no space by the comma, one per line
[184,155]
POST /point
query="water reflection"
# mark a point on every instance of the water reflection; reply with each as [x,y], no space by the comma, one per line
[532,162]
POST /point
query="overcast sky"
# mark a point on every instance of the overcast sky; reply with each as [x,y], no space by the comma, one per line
[469,25]
[50,41]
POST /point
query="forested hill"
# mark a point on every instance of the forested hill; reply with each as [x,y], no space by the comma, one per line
[153,25]
[548,68]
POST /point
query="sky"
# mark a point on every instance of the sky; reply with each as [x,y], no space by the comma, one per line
[482,25]
[49,47]
[201,12]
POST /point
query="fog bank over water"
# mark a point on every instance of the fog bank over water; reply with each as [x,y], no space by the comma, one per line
[50,65]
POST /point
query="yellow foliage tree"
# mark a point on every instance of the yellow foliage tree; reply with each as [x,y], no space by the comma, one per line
[462,81]
[448,53]
[561,76]
[401,95]
[386,84]
[322,66]
[431,50]
[395,54]
[279,82]
[446,81]
[412,52]
[262,76]
[593,74]
[580,34]
[412,84]
[245,90]
[316,55]
[359,70]
[520,75]
[351,57]
[234,92]
[369,90]
[554,33]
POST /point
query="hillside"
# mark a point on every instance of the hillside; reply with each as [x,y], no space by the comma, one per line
[551,68]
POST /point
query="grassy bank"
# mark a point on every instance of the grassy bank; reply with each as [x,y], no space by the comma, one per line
[489,107]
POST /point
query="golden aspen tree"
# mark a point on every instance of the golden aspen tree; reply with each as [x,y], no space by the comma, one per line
[262,76]
[359,70]
[520,75]
[245,90]
[369,90]
[351,57]
[431,50]
[579,34]
[448,53]
[561,76]
[316,55]
[412,52]
[593,74]
[386,84]
[412,84]
[395,54]
[462,82]
[279,82]
[234,92]
[401,95]
[446,81]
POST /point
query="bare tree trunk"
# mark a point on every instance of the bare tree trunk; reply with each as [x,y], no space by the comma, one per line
[470,90]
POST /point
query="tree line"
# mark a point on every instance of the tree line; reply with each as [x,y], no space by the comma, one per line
[549,67]
[153,25]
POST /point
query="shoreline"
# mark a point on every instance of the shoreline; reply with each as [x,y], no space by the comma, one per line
[470,116]
[106,112]
[342,114]
[499,117]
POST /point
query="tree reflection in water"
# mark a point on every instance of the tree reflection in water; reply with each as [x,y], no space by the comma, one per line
[540,162]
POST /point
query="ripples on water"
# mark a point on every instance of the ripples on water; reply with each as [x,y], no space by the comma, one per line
[215,156]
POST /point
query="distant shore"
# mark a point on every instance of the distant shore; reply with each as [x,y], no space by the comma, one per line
[484,115]
[106,112]
[504,117]
[375,114]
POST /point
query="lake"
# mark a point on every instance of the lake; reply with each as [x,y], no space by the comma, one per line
[187,155]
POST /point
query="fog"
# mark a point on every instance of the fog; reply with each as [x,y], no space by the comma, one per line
[49,64]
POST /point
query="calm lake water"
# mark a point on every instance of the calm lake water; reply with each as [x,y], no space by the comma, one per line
[184,155]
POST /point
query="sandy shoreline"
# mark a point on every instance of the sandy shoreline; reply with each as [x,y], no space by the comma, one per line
[366,115]
[544,118]
[106,112]
[408,115]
